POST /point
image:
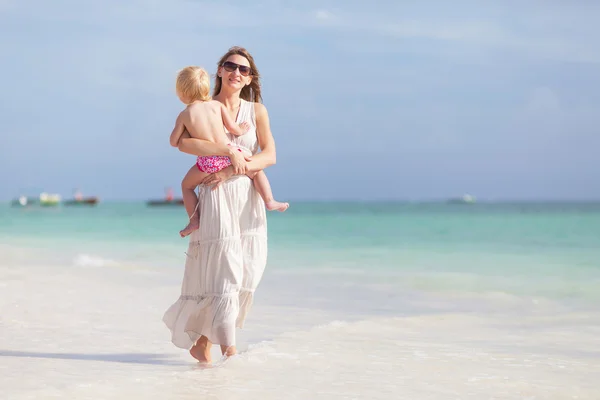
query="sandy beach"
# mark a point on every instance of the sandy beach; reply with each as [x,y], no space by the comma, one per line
[88,331]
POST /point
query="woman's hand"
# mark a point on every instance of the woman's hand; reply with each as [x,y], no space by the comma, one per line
[215,180]
[238,162]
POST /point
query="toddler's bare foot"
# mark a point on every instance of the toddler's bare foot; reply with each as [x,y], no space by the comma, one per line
[201,352]
[191,227]
[274,205]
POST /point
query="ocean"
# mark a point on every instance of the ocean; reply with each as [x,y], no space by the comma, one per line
[359,301]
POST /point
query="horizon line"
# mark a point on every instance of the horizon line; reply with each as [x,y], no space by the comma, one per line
[382,200]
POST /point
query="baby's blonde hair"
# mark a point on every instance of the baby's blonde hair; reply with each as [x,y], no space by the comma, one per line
[193,83]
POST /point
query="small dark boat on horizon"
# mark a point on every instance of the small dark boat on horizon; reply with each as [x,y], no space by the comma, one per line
[173,202]
[465,199]
[169,200]
[79,200]
[86,201]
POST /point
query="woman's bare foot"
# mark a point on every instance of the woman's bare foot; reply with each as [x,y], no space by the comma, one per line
[228,351]
[274,205]
[191,227]
[201,351]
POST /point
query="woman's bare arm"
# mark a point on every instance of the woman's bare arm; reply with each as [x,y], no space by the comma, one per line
[258,162]
[267,155]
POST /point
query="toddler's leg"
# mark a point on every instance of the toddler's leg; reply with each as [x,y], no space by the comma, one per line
[263,187]
[190,201]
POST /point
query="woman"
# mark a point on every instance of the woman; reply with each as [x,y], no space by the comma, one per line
[228,253]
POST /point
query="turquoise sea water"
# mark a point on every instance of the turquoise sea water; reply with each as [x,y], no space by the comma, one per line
[538,249]
[427,301]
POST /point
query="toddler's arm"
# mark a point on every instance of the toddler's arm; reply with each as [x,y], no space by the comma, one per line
[177,131]
[232,127]
[201,147]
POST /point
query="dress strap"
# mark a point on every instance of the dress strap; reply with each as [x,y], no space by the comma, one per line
[243,111]
[247,112]
[251,112]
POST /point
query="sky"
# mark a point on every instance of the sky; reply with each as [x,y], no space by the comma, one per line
[378,100]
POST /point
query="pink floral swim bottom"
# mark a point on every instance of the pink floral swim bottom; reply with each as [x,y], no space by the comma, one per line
[212,164]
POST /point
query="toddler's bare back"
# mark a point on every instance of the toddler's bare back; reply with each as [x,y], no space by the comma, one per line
[203,120]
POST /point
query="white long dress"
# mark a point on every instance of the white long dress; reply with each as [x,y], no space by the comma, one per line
[226,257]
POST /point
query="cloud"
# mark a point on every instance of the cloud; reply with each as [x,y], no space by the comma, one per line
[323,15]
[328,18]
[543,99]
[547,30]
[550,31]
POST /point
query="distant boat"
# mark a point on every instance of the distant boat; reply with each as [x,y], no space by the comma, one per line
[86,201]
[169,200]
[44,200]
[174,202]
[79,200]
[24,201]
[465,199]
[49,200]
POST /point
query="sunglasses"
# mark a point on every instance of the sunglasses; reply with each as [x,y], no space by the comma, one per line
[231,66]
